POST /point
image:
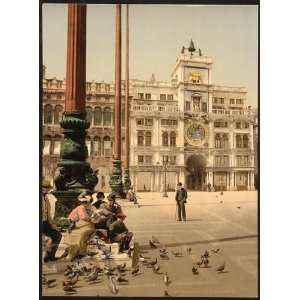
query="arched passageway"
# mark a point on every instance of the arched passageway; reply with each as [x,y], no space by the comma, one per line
[195,175]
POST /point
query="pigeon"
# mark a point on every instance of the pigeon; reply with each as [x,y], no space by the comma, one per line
[135,270]
[129,253]
[156,268]
[206,262]
[153,262]
[69,288]
[206,253]
[121,280]
[221,193]
[195,270]
[177,253]
[93,276]
[215,250]
[113,285]
[166,294]
[121,268]
[91,254]
[167,280]
[199,263]
[189,251]
[72,281]
[68,270]
[163,250]
[44,279]
[72,274]
[238,207]
[51,283]
[155,240]
[164,256]
[221,268]
[221,202]
[108,268]
[152,245]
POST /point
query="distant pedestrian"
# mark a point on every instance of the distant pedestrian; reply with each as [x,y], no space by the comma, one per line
[209,187]
[131,196]
[48,227]
[180,197]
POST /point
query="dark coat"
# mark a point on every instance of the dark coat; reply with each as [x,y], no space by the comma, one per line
[117,228]
[181,195]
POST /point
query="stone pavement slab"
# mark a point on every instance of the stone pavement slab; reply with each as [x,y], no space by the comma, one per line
[210,224]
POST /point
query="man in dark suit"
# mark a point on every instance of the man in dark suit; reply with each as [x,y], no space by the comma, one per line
[181,196]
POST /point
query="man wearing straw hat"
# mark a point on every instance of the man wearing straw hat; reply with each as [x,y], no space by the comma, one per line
[48,227]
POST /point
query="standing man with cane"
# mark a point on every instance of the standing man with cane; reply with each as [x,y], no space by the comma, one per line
[180,197]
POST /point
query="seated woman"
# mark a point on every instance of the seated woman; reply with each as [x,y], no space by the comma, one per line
[118,232]
[82,218]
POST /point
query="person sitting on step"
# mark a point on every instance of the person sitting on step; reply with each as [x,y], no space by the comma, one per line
[118,232]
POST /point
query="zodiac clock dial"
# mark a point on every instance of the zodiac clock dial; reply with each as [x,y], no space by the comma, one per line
[196,134]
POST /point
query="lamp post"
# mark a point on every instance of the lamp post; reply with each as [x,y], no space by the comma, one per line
[165,162]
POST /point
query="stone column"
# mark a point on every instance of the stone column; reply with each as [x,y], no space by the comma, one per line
[126,179]
[248,180]
[232,182]
[228,181]
[75,174]
[116,177]
[252,186]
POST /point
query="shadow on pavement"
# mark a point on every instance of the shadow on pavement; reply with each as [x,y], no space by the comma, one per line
[147,247]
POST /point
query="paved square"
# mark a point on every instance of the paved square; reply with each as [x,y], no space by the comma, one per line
[213,221]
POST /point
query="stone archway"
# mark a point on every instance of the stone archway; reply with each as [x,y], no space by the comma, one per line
[195,175]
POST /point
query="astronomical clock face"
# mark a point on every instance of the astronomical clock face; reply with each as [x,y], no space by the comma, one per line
[196,134]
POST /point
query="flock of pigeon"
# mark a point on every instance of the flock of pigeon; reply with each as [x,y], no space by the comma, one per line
[116,275]
[163,253]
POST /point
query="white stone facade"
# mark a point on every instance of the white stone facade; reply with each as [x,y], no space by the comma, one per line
[206,131]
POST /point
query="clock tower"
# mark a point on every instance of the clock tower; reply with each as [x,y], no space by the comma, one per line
[192,75]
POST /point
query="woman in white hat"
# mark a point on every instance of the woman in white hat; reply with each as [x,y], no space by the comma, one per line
[83,219]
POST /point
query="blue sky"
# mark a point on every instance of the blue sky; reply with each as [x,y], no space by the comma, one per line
[229,34]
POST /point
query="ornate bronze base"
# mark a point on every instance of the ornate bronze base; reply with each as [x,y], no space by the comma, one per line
[74,174]
[116,180]
[66,202]
[126,180]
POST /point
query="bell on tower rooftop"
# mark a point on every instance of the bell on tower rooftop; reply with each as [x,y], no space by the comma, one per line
[191,47]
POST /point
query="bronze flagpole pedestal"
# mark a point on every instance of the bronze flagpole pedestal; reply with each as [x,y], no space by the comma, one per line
[116,176]
[126,177]
[74,172]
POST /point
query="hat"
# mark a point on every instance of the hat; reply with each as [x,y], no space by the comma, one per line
[100,194]
[46,184]
[95,197]
[121,215]
[111,197]
[85,197]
